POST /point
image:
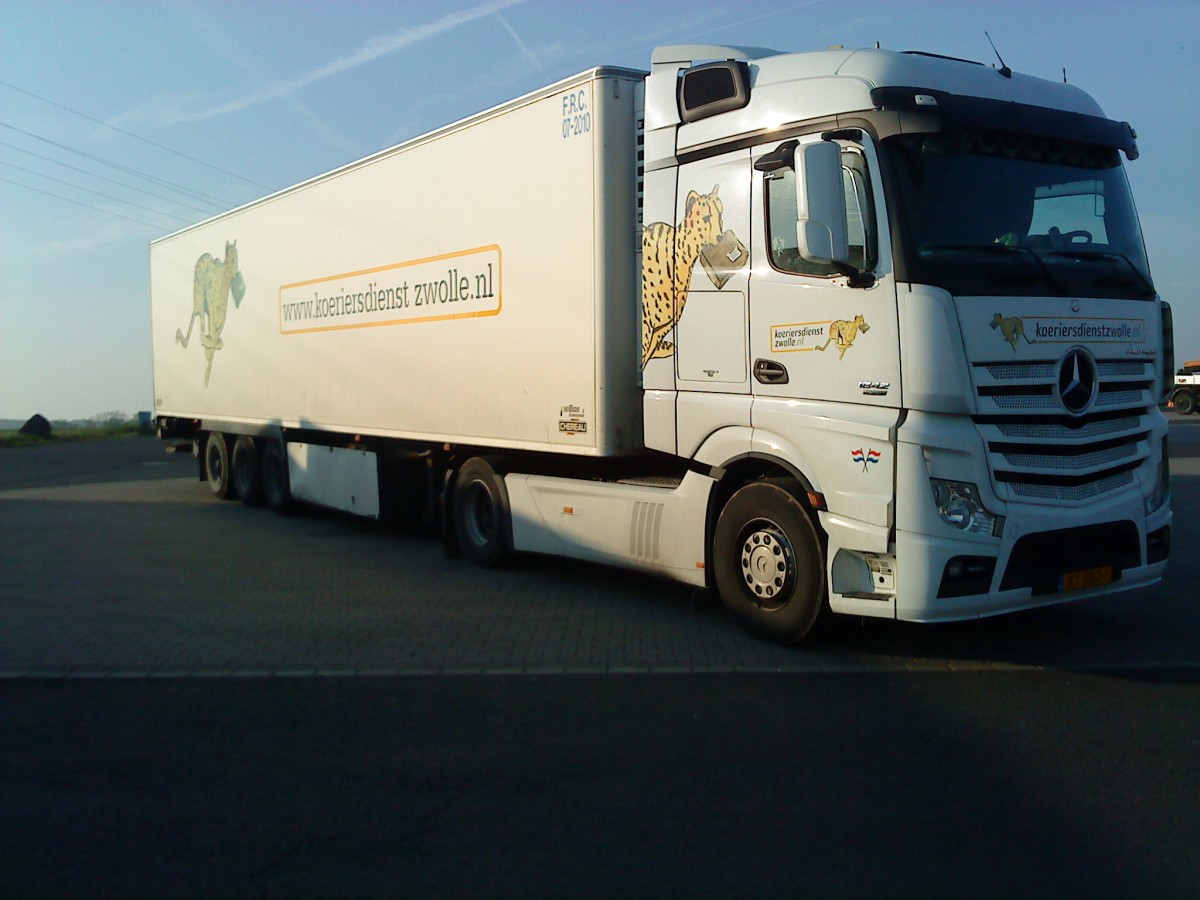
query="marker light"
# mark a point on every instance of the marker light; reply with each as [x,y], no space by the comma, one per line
[1162,483]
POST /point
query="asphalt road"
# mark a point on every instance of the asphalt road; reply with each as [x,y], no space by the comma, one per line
[197,699]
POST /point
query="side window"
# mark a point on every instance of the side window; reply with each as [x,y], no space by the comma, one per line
[859,211]
[781,226]
[781,219]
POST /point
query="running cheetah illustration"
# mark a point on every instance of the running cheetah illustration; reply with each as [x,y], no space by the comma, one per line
[1011,329]
[843,332]
[668,256]
[215,280]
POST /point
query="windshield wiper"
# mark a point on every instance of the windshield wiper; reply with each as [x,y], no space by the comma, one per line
[1004,250]
[1109,256]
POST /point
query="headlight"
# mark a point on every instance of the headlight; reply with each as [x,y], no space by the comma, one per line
[959,505]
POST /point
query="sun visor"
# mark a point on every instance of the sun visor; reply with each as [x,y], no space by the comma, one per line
[921,110]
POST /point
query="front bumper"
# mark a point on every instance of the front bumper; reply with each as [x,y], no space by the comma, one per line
[1045,557]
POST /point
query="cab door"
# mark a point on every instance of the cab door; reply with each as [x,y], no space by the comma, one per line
[813,336]
[824,354]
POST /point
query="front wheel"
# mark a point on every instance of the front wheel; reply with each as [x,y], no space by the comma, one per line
[770,565]
[1185,403]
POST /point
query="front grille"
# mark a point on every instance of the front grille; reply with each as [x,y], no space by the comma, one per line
[1063,433]
[1072,493]
[1040,453]
[1071,463]
[1123,368]
[1039,371]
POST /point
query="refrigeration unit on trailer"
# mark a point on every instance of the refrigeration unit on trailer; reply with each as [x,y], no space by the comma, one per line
[854,331]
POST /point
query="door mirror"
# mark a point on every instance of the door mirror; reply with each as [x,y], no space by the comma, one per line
[821,232]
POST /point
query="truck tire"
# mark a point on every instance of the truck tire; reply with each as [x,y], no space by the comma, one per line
[769,561]
[216,466]
[482,519]
[1185,403]
[247,471]
[276,488]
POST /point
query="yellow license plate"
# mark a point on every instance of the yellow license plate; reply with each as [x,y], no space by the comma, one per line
[1086,578]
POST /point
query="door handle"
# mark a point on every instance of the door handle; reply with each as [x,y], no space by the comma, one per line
[768,372]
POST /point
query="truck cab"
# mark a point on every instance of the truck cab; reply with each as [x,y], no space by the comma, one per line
[915,289]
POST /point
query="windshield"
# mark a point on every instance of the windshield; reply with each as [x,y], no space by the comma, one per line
[990,214]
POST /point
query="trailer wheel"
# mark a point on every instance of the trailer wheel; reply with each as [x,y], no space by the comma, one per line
[216,465]
[482,522]
[1185,403]
[770,565]
[276,489]
[247,473]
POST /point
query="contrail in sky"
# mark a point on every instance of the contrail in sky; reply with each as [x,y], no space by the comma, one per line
[369,52]
[521,46]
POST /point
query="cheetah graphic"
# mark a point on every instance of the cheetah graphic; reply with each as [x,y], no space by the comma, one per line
[1011,329]
[669,255]
[215,280]
[843,332]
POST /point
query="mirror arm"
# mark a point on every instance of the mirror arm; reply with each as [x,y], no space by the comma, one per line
[845,134]
[854,277]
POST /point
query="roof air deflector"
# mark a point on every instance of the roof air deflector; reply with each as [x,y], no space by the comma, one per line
[689,53]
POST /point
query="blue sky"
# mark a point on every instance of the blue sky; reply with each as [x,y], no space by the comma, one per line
[231,101]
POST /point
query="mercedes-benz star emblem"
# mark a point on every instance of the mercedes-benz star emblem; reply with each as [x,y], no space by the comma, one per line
[1078,381]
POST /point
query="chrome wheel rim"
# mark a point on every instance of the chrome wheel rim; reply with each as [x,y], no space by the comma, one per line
[767,564]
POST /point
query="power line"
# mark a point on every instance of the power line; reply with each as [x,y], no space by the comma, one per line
[196,195]
[130,187]
[134,136]
[80,187]
[80,203]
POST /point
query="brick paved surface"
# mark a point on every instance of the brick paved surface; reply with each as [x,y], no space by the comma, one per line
[162,734]
[115,561]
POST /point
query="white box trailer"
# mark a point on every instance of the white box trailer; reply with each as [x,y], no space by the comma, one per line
[853,331]
[476,286]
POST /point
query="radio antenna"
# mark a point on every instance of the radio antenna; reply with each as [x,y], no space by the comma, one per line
[1004,70]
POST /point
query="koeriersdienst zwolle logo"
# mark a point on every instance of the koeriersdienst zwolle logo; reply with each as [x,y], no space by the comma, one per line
[1067,330]
[818,335]
[456,285]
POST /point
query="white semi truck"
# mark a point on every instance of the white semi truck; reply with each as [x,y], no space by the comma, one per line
[1186,388]
[855,331]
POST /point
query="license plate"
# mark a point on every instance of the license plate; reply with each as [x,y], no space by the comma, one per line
[1086,578]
